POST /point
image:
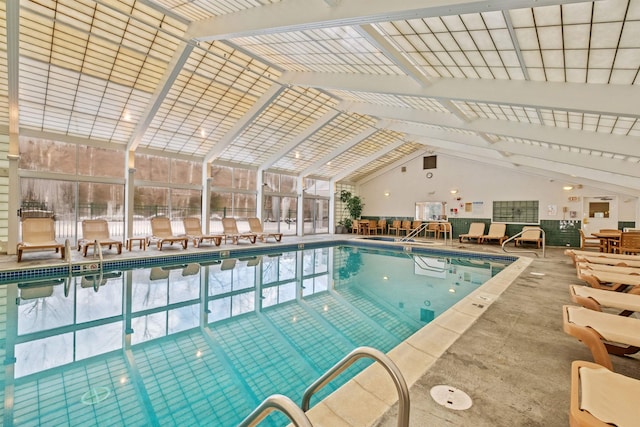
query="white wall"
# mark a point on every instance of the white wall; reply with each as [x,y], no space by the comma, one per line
[476,182]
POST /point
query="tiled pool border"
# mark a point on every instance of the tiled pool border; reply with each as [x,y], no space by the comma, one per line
[91,266]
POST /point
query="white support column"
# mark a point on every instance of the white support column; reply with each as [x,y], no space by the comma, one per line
[332,206]
[300,215]
[129,192]
[260,194]
[206,197]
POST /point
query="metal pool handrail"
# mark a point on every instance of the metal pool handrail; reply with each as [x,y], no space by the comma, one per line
[544,238]
[414,232]
[281,403]
[351,358]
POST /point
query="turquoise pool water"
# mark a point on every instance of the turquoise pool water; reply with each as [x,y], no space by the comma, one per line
[204,343]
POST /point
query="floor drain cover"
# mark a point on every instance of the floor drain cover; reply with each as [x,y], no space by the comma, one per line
[95,395]
[451,397]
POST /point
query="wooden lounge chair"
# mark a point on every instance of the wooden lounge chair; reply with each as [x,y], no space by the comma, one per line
[476,231]
[256,227]
[606,260]
[600,397]
[530,234]
[193,230]
[97,230]
[602,333]
[497,231]
[161,233]
[231,232]
[38,234]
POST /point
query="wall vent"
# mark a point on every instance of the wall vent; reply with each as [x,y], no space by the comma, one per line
[429,162]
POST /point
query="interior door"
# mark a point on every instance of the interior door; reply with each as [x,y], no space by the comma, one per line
[599,213]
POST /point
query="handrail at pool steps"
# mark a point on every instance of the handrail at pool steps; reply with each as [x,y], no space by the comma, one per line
[351,358]
[281,403]
[544,238]
[415,232]
[297,415]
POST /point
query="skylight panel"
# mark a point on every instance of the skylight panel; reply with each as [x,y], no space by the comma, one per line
[605,35]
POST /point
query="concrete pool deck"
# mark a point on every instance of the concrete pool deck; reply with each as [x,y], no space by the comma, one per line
[503,345]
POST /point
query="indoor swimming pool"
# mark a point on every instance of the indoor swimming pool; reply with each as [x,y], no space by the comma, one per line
[204,342]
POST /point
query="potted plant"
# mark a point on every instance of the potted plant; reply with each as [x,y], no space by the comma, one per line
[353,205]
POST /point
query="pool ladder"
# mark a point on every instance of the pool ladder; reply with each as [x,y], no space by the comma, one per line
[297,414]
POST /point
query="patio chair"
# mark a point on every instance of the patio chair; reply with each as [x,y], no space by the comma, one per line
[497,231]
[97,230]
[193,230]
[433,229]
[600,397]
[629,243]
[230,228]
[476,231]
[38,234]
[602,333]
[256,227]
[161,233]
[530,234]
[406,227]
[381,227]
[591,242]
[395,226]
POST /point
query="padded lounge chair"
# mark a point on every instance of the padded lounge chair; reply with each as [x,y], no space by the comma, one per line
[231,232]
[597,299]
[600,397]
[256,227]
[38,234]
[161,233]
[602,333]
[97,229]
[530,234]
[604,258]
[611,281]
[497,231]
[193,231]
[476,231]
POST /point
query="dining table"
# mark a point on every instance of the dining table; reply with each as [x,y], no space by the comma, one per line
[608,238]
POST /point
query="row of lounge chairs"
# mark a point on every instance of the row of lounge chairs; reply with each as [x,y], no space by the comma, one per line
[603,321]
[38,234]
[498,233]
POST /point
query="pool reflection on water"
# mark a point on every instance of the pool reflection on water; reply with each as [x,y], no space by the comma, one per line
[195,344]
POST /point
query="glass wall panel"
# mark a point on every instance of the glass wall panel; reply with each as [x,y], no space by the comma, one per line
[221,176]
[46,155]
[152,168]
[244,179]
[47,197]
[102,201]
[280,214]
[186,172]
[147,203]
[316,215]
[100,162]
